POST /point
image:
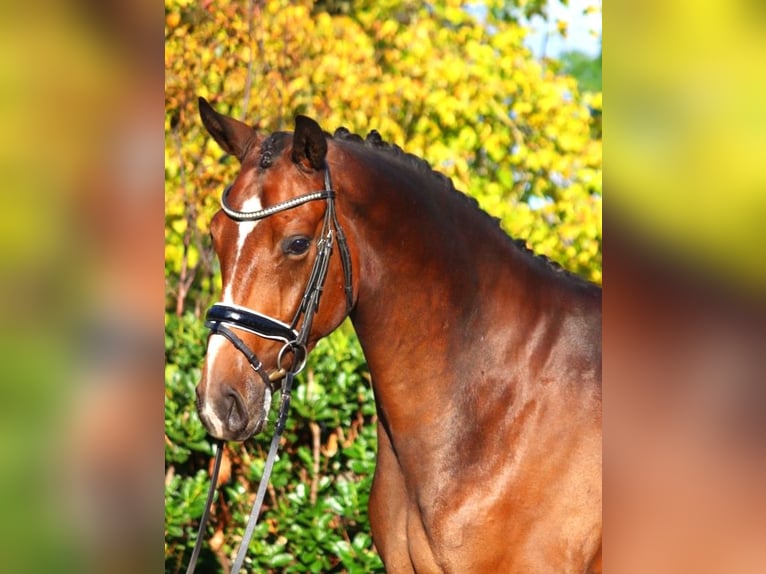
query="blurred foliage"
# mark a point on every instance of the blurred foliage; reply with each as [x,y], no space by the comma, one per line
[449,81]
[690,132]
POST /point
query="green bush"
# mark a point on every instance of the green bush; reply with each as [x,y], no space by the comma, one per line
[315,513]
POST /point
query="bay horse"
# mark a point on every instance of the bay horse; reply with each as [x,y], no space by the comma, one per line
[485,358]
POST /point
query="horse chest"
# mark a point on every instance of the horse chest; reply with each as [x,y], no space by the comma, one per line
[415,529]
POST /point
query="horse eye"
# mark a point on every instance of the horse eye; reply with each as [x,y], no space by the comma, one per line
[296,245]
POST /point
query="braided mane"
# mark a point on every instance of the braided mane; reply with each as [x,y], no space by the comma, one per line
[375,141]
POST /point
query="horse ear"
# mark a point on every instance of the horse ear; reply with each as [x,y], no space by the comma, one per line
[309,143]
[232,135]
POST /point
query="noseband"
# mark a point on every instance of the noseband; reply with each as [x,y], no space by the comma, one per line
[222,319]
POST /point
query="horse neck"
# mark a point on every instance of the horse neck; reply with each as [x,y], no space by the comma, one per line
[431,268]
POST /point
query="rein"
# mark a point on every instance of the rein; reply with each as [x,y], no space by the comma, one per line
[223,318]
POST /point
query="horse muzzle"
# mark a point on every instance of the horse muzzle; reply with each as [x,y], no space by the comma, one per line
[235,407]
[231,412]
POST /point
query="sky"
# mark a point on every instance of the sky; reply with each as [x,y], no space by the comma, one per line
[584,31]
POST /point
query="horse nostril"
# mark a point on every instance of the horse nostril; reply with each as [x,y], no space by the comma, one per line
[236,412]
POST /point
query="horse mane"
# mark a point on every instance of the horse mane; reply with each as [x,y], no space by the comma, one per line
[375,141]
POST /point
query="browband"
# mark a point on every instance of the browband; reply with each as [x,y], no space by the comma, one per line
[326,193]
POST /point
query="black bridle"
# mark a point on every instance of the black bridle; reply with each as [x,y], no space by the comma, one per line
[221,315]
[223,319]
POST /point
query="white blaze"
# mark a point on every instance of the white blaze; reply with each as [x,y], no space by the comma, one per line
[217,342]
[244,229]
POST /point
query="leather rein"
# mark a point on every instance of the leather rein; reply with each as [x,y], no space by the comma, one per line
[223,319]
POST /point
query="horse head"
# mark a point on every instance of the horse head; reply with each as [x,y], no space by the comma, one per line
[281,246]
